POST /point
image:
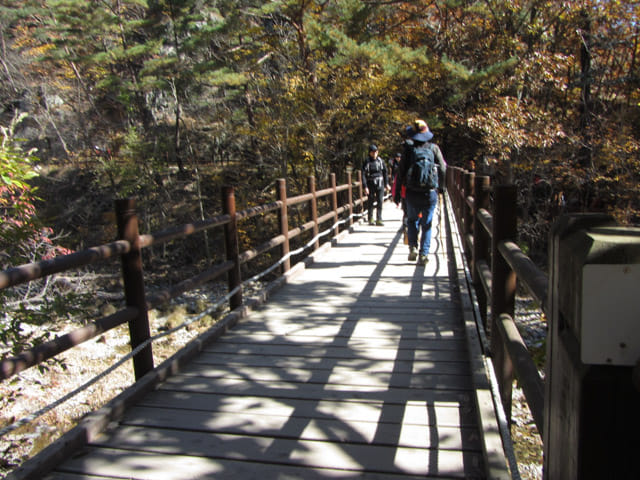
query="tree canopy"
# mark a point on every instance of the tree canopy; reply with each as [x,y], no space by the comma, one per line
[532,91]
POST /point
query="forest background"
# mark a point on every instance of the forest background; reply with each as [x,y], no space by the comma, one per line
[133,97]
[169,100]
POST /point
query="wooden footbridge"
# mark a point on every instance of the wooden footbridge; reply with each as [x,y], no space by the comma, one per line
[355,363]
[360,365]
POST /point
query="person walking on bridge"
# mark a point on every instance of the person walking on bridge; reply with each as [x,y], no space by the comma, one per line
[419,171]
[376,181]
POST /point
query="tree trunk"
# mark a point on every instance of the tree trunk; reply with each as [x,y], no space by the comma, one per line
[586,153]
[176,131]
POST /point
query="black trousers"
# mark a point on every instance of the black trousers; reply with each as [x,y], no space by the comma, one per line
[376,194]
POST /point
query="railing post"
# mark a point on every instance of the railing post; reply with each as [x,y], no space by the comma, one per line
[467,213]
[592,407]
[133,278]
[350,193]
[284,223]
[360,191]
[503,291]
[482,200]
[313,206]
[458,195]
[231,245]
[334,204]
[451,187]
[454,190]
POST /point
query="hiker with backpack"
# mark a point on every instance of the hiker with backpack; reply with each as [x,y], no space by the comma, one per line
[420,170]
[376,181]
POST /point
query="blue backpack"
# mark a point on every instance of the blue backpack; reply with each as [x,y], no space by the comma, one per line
[422,175]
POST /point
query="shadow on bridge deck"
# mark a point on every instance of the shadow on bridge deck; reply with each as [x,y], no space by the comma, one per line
[359,367]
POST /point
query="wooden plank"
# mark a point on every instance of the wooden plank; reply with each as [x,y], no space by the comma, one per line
[316,391]
[399,301]
[358,287]
[362,330]
[399,366]
[254,338]
[335,429]
[295,452]
[337,375]
[394,315]
[338,352]
[446,414]
[114,463]
[349,292]
[390,319]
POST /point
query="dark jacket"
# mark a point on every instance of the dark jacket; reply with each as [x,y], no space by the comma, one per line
[407,158]
[374,173]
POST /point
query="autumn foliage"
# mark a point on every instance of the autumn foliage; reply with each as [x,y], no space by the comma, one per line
[541,93]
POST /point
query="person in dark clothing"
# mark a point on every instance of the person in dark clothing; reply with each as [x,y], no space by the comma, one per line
[393,165]
[421,205]
[376,181]
[399,190]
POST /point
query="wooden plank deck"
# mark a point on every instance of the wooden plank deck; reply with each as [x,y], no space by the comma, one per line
[357,368]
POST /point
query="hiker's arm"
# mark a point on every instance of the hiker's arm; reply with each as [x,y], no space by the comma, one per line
[440,158]
[385,176]
[442,165]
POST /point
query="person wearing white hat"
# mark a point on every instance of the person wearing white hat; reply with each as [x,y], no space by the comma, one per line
[421,198]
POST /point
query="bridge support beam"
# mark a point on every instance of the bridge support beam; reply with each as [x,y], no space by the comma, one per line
[592,407]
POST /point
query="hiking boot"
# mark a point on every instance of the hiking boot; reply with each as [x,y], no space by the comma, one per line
[380,223]
[423,260]
[413,254]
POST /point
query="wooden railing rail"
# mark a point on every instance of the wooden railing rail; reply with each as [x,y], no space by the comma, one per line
[486,216]
[34,271]
[131,243]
